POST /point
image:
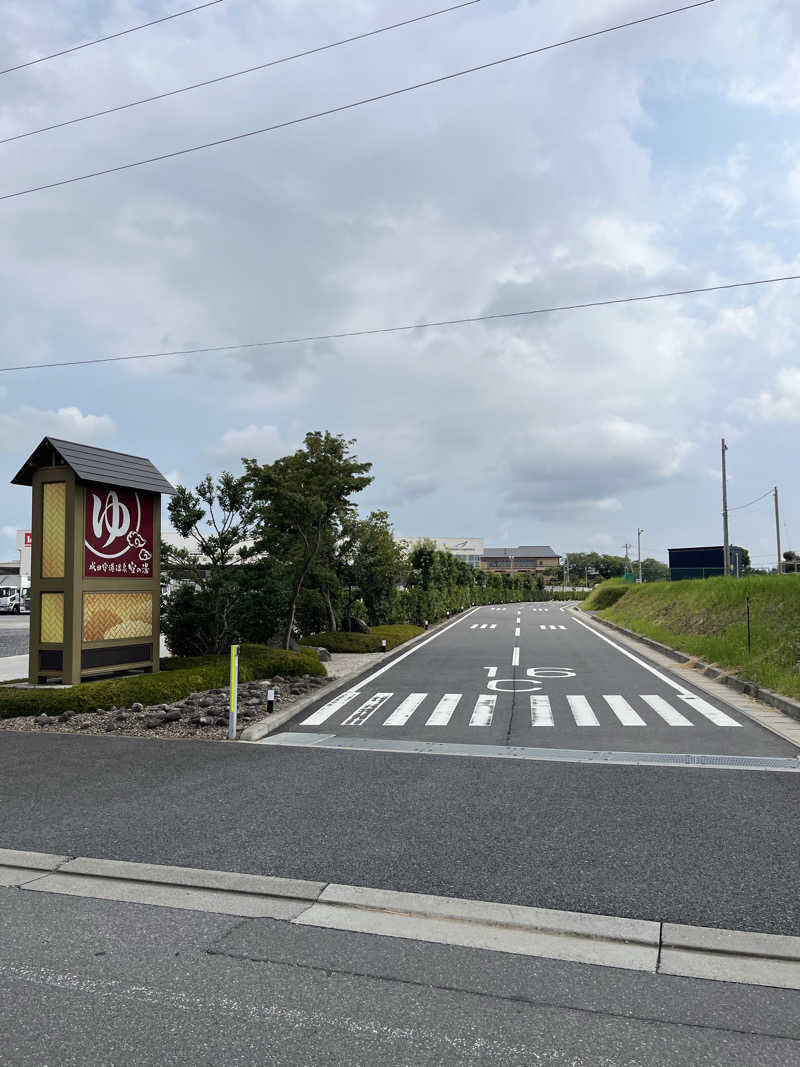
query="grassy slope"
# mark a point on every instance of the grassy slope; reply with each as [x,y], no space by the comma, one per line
[707,619]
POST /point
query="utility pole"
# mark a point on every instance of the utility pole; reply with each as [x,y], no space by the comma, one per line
[778,531]
[639,549]
[726,555]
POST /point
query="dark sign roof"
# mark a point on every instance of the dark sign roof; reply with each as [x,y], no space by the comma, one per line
[95,465]
[523,550]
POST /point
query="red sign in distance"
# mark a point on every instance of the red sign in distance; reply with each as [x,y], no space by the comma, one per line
[28,539]
[118,533]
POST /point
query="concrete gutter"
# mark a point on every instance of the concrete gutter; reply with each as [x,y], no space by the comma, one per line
[720,677]
[258,730]
[602,940]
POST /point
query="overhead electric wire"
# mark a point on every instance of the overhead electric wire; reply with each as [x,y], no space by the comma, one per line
[402,329]
[740,507]
[238,73]
[355,103]
[110,36]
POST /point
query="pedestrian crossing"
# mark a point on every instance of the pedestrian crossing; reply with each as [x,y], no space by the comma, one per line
[550,626]
[483,626]
[576,709]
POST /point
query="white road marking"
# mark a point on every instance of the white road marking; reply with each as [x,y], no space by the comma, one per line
[666,711]
[542,626]
[515,658]
[582,711]
[492,671]
[484,625]
[517,632]
[541,712]
[561,627]
[403,712]
[324,713]
[443,711]
[483,711]
[367,709]
[493,626]
[474,626]
[719,718]
[624,712]
[553,627]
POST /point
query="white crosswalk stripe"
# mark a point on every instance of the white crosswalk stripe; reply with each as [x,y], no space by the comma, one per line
[541,712]
[367,709]
[330,709]
[624,712]
[582,711]
[484,710]
[404,711]
[443,712]
[546,710]
[666,711]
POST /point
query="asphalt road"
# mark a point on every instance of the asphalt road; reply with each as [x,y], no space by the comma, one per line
[689,845]
[94,982]
[14,635]
[535,675]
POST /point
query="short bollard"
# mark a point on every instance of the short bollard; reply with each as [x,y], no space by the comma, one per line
[383,644]
[234,692]
[426,624]
[270,701]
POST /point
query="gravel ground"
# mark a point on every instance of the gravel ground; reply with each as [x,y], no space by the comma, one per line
[203,715]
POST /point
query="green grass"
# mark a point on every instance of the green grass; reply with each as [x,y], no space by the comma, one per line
[605,594]
[707,618]
[179,676]
[346,642]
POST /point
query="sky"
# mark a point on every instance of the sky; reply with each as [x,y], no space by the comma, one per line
[663,156]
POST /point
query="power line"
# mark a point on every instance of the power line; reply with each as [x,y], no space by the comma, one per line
[109,37]
[237,73]
[402,329]
[353,104]
[740,507]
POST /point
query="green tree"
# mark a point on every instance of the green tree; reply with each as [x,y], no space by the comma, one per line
[301,500]
[373,562]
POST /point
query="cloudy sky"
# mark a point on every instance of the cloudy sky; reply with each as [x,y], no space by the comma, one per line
[661,157]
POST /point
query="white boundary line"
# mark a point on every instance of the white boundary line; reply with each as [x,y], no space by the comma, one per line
[642,663]
[376,674]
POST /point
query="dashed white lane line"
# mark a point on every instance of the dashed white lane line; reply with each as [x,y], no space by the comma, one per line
[443,712]
[483,711]
[403,712]
[624,712]
[515,658]
[517,632]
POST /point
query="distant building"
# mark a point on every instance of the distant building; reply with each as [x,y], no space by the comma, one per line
[525,558]
[704,562]
[468,549]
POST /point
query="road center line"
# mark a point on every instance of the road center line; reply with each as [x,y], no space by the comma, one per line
[515,658]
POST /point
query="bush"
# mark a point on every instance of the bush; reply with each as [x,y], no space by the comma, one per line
[605,594]
[341,641]
[177,679]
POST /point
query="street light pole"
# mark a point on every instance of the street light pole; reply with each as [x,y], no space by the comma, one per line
[726,555]
[639,549]
[778,531]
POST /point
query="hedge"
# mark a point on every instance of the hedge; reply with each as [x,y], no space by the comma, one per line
[342,641]
[179,676]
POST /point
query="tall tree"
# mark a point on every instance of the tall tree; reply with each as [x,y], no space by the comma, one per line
[302,499]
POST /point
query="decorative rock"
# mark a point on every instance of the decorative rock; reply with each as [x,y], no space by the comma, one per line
[276,641]
[152,722]
[110,727]
[172,716]
[65,716]
[137,707]
[323,654]
[355,626]
[42,720]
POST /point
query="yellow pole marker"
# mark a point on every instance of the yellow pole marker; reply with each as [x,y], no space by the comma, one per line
[234,692]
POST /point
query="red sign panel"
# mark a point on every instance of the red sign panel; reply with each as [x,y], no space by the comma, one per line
[28,539]
[118,533]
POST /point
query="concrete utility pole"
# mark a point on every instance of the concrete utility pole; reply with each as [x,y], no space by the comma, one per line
[639,548]
[726,554]
[778,531]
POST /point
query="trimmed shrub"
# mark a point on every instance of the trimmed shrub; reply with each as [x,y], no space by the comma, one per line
[346,642]
[178,678]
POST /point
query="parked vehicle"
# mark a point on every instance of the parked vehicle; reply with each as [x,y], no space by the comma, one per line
[12,601]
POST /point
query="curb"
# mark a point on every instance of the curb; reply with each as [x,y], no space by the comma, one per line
[766,696]
[651,946]
[258,730]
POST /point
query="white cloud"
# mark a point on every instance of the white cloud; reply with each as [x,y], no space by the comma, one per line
[264,443]
[793,183]
[9,531]
[781,404]
[22,429]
